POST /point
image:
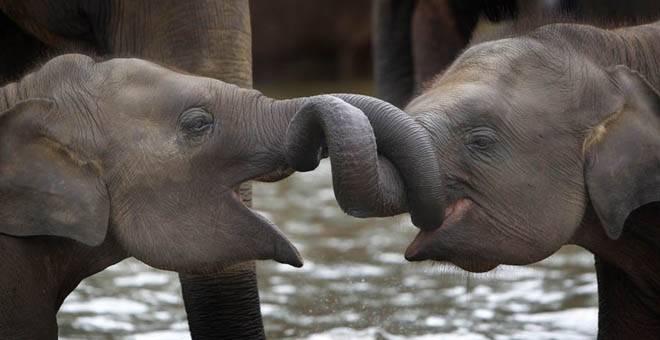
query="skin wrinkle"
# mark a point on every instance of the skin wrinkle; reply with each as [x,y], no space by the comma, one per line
[508,223]
[162,39]
[86,127]
[503,223]
[93,165]
[503,227]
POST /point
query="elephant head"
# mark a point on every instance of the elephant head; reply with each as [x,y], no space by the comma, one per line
[134,152]
[531,138]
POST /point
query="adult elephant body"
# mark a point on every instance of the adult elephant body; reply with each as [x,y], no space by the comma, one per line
[205,37]
[542,140]
[416,40]
[324,40]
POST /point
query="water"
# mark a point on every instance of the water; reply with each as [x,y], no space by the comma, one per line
[355,285]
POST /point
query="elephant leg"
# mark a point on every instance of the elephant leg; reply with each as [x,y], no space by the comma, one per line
[623,313]
[223,305]
[27,310]
[436,40]
[393,62]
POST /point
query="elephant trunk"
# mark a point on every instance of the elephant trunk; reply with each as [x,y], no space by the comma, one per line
[408,146]
[383,162]
[365,183]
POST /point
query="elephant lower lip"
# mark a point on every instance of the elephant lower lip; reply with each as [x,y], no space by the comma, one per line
[276,246]
[422,247]
[287,254]
[417,249]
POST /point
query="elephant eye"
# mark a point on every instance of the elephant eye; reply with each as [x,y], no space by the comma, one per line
[194,124]
[481,139]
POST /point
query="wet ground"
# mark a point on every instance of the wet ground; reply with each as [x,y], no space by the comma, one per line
[355,285]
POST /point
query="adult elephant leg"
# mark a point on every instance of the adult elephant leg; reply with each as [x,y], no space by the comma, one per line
[436,40]
[625,312]
[223,305]
[213,39]
[393,61]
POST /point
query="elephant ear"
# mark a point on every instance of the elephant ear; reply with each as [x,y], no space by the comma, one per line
[45,187]
[623,153]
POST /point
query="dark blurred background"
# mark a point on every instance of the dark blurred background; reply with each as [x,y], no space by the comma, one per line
[316,46]
[311,46]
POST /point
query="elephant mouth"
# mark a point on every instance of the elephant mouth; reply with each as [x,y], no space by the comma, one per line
[267,240]
[440,244]
[423,246]
[430,244]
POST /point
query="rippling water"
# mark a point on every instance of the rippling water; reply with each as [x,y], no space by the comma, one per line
[355,285]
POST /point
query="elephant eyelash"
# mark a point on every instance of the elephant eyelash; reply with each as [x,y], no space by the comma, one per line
[480,139]
[194,124]
[481,142]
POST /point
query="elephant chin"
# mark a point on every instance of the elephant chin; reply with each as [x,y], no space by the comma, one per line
[246,236]
[286,253]
[421,250]
[428,244]
[265,240]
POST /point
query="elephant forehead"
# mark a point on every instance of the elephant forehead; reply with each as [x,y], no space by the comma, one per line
[457,103]
[139,72]
[158,94]
[491,60]
[123,67]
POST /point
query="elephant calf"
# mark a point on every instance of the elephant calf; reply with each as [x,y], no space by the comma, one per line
[104,160]
[545,138]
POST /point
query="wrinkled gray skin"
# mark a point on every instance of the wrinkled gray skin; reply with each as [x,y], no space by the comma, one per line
[205,37]
[546,139]
[101,161]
